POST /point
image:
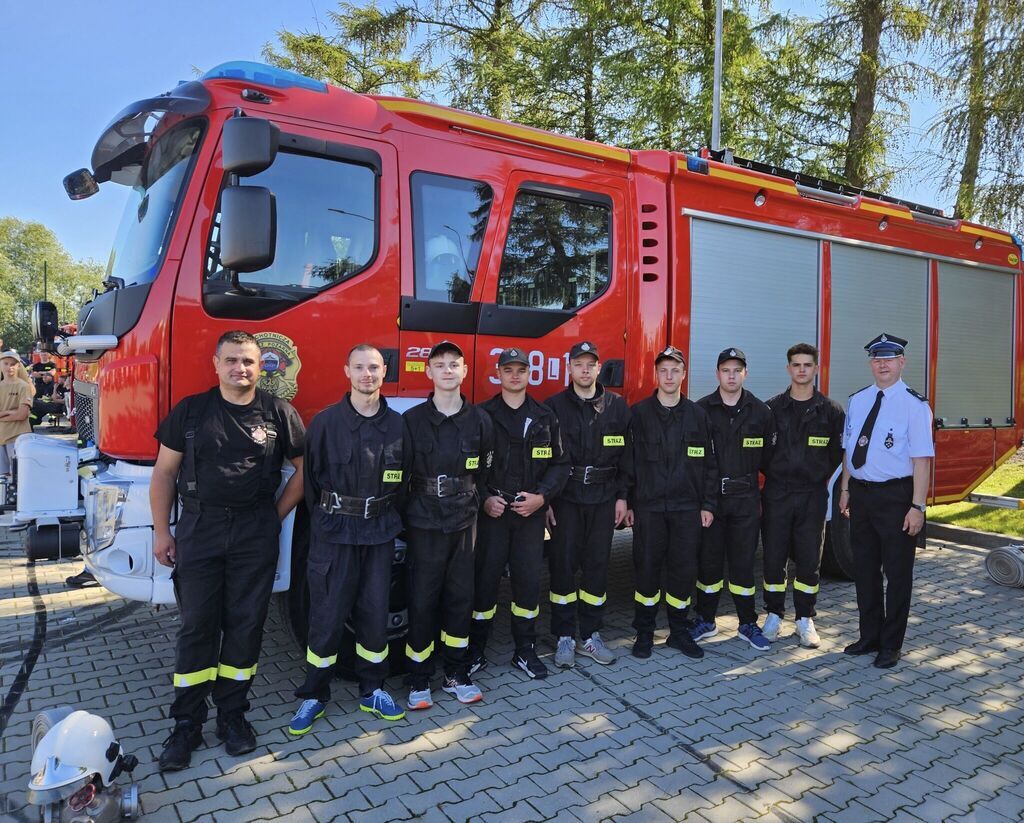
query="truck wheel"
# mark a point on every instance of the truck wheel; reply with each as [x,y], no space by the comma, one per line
[837,557]
[44,721]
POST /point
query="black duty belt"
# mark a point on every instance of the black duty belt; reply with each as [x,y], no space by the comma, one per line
[364,507]
[878,484]
[738,485]
[589,475]
[194,505]
[442,485]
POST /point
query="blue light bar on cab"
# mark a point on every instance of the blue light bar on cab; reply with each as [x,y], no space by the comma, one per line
[697,164]
[264,75]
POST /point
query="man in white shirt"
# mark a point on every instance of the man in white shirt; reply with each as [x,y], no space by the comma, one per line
[888,449]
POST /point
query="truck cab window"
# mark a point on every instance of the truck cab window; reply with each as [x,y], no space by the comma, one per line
[557,254]
[449,221]
[326,224]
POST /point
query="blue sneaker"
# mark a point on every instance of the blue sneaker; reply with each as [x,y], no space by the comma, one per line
[702,629]
[751,632]
[381,704]
[309,711]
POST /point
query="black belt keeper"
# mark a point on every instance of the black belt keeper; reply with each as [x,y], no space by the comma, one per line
[364,507]
[442,485]
[738,485]
[590,475]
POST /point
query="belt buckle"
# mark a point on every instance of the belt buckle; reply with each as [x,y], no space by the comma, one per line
[586,475]
[366,507]
[335,503]
[723,481]
[440,482]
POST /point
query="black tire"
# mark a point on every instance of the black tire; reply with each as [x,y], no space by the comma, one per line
[837,556]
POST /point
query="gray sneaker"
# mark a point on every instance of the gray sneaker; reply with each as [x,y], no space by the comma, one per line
[565,654]
[594,648]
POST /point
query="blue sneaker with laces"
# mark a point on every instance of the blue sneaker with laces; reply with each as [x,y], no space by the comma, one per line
[751,632]
[381,704]
[309,711]
[702,629]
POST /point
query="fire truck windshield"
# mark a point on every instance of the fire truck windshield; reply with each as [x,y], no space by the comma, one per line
[152,205]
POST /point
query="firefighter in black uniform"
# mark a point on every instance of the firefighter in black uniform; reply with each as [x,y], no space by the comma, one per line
[673,477]
[529,468]
[807,452]
[222,451]
[593,422]
[353,475]
[744,430]
[447,447]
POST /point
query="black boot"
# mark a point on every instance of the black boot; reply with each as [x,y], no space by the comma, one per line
[185,738]
[237,734]
[684,643]
[643,644]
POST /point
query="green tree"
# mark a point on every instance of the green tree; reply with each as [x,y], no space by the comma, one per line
[981,62]
[24,247]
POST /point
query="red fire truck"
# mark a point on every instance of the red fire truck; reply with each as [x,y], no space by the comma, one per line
[317,218]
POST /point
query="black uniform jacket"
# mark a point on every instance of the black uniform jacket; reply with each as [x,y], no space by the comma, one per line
[593,434]
[545,466]
[808,448]
[354,456]
[670,459]
[743,443]
[456,446]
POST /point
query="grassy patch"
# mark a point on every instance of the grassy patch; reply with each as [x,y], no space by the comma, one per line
[1006,481]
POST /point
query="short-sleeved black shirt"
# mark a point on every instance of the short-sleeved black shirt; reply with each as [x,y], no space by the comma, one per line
[231,443]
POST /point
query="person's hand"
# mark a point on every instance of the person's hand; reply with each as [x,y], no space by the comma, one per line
[621,509]
[844,502]
[526,503]
[706,518]
[627,521]
[164,549]
[549,519]
[913,522]
[494,506]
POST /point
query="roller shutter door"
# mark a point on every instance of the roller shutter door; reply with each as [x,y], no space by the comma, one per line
[754,289]
[873,292]
[974,377]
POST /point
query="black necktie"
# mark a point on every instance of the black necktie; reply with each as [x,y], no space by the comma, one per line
[860,451]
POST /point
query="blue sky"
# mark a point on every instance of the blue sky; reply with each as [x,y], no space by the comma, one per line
[71,66]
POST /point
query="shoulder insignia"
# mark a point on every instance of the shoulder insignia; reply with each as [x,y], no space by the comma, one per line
[860,389]
[920,397]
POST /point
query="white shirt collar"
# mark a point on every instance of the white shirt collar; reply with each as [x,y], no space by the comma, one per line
[895,387]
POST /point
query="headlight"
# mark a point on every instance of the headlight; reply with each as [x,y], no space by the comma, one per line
[106,514]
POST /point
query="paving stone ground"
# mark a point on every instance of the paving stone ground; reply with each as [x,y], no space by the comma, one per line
[791,735]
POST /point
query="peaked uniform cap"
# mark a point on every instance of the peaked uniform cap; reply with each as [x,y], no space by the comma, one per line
[886,345]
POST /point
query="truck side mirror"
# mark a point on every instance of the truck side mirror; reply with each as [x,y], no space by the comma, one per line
[80,184]
[249,145]
[248,228]
[44,323]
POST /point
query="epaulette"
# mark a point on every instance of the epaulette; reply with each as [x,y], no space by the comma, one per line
[868,386]
[920,397]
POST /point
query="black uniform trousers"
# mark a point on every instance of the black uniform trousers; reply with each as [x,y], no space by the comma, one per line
[664,544]
[440,569]
[517,542]
[347,581]
[733,534]
[223,577]
[793,526]
[881,546]
[581,541]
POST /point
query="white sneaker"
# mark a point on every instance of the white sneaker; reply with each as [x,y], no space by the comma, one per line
[808,634]
[463,688]
[420,699]
[594,648]
[565,654]
[772,627]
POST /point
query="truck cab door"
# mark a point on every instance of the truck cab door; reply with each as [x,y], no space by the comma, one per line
[557,275]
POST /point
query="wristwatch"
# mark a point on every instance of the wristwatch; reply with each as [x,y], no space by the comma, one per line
[921,507]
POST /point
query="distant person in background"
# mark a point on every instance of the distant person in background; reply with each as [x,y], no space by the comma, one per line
[43,369]
[15,405]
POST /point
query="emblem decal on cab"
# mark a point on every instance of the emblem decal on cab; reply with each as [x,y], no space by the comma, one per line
[279,365]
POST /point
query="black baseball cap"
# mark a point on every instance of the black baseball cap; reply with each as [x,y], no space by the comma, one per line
[444,346]
[512,355]
[583,347]
[670,353]
[732,354]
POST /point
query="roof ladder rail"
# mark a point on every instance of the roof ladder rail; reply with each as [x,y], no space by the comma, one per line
[814,193]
